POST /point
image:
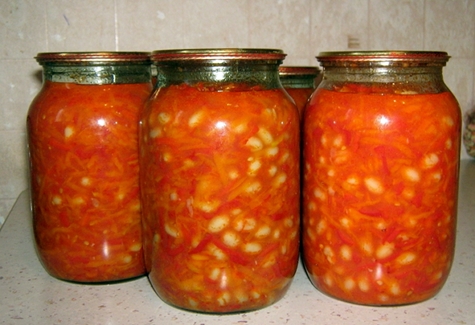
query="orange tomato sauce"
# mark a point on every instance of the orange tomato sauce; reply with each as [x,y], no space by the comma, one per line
[220,192]
[84,180]
[380,194]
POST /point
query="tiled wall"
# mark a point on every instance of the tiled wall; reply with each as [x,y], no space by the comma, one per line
[302,28]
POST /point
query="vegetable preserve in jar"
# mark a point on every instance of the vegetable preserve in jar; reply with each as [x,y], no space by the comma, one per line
[469,133]
[219,141]
[381,154]
[83,147]
[299,82]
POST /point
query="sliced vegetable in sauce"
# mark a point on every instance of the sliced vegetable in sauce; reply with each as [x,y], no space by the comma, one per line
[380,191]
[220,192]
[84,177]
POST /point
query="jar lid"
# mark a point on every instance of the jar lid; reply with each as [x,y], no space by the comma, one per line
[384,58]
[92,57]
[217,54]
[302,71]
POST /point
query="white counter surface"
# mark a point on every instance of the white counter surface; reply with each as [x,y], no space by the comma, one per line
[28,295]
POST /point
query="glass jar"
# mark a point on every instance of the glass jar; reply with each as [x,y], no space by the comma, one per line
[299,82]
[153,71]
[469,133]
[219,143]
[83,148]
[381,148]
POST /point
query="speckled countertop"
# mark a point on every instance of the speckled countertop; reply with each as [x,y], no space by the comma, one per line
[28,295]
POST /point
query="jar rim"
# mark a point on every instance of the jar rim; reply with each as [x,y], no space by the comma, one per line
[206,54]
[92,57]
[436,57]
[286,70]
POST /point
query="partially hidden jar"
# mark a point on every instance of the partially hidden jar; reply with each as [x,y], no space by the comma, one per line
[83,148]
[382,145]
[219,141]
[299,82]
[469,133]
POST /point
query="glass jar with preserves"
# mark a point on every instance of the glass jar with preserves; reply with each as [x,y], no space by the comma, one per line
[299,82]
[381,147]
[83,148]
[469,133]
[219,141]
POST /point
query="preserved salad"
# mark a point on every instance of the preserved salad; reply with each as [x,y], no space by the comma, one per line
[85,178]
[380,191]
[469,133]
[220,189]
[300,96]
[300,83]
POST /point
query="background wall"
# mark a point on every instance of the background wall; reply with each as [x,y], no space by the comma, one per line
[302,28]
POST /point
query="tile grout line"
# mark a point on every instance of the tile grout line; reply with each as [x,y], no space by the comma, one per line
[116,26]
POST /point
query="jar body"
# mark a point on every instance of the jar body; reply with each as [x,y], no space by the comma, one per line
[380,186]
[300,96]
[85,177]
[220,192]
[469,133]
[299,83]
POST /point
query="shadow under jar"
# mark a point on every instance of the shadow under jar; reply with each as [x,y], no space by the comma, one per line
[219,159]
[381,153]
[83,146]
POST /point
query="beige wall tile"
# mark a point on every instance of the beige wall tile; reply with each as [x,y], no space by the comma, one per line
[302,28]
[22,28]
[149,26]
[458,75]
[87,25]
[284,25]
[450,26]
[18,90]
[338,25]
[396,24]
[215,23]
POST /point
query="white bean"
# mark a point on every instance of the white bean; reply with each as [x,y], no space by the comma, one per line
[135,247]
[412,175]
[218,223]
[252,248]
[262,232]
[195,119]
[164,118]
[56,200]
[254,144]
[384,250]
[231,239]
[265,136]
[155,133]
[373,185]
[68,131]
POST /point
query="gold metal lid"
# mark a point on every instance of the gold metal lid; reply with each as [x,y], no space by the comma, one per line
[217,54]
[92,57]
[298,71]
[436,58]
